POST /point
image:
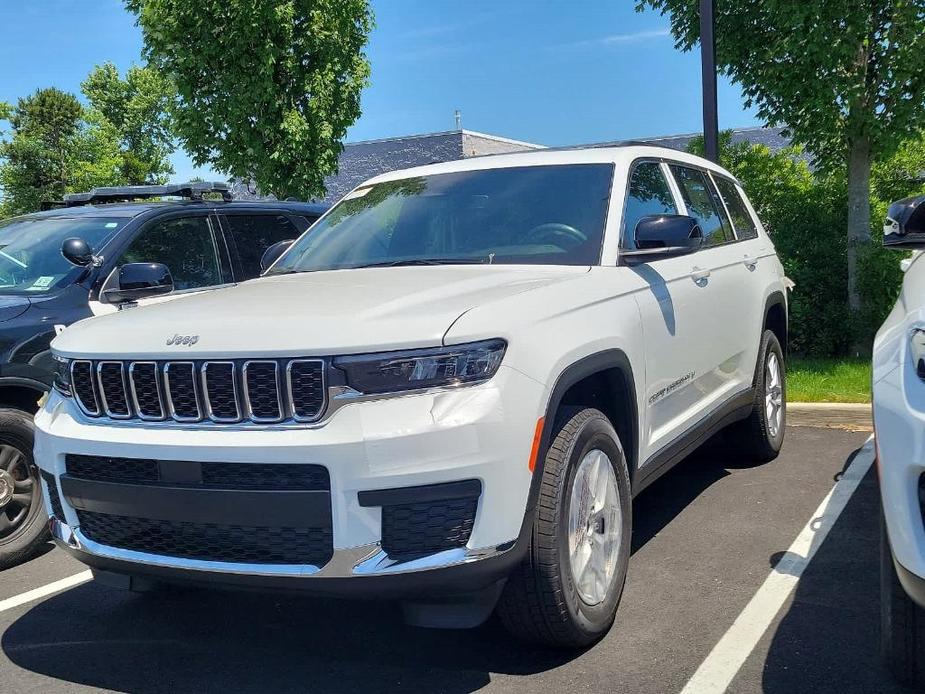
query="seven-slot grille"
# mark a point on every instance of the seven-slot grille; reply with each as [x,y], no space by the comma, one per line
[257,390]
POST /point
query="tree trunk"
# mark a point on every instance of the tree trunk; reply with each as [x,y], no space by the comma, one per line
[858,222]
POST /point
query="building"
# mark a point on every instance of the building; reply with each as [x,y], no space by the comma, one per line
[362,160]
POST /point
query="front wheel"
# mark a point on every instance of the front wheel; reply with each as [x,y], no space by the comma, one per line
[761,435]
[565,593]
[902,622]
[23,520]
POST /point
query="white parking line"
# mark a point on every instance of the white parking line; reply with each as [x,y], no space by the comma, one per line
[45,591]
[716,673]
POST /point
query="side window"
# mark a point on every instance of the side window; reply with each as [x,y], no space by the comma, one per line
[741,219]
[252,234]
[648,194]
[184,245]
[703,204]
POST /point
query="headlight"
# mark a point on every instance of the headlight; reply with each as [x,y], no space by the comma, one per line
[388,372]
[62,380]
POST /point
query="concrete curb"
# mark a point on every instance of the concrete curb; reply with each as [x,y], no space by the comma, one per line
[830,415]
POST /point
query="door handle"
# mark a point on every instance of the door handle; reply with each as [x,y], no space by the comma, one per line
[750,262]
[698,274]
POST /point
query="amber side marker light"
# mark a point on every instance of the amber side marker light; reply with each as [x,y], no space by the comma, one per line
[537,436]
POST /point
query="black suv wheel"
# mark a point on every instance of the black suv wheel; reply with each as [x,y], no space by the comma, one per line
[23,520]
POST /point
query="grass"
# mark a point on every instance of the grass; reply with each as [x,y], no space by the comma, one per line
[828,380]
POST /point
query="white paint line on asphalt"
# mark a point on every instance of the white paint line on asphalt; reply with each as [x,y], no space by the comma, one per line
[716,673]
[45,591]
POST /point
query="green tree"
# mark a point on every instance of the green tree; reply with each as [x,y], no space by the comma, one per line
[45,122]
[53,148]
[846,78]
[139,109]
[266,90]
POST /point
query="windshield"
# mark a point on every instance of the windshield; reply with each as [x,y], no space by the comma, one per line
[547,215]
[30,250]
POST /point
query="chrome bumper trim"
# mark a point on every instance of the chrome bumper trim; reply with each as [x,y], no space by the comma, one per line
[366,560]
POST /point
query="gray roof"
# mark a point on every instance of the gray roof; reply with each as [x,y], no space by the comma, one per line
[360,161]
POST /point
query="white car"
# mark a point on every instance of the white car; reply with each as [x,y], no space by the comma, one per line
[899,423]
[447,392]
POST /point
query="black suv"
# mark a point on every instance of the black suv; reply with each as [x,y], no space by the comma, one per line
[205,244]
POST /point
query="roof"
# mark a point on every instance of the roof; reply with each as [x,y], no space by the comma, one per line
[133,209]
[612,154]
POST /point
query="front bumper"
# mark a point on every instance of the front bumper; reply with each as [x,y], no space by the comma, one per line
[481,433]
[899,422]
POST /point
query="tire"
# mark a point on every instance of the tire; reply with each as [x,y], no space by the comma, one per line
[542,601]
[21,533]
[760,437]
[902,622]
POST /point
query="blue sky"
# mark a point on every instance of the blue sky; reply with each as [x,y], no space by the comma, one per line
[545,71]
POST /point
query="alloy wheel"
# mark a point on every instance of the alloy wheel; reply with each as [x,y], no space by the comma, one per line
[19,489]
[773,394]
[595,527]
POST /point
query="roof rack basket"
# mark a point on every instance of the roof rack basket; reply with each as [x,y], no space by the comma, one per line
[191,191]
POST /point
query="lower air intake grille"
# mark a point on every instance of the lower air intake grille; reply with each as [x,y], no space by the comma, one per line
[427,527]
[209,541]
[278,476]
[53,497]
[103,469]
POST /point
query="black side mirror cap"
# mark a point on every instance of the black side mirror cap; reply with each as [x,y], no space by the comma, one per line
[273,253]
[134,281]
[77,252]
[904,227]
[663,236]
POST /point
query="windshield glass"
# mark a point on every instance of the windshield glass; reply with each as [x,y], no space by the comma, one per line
[30,250]
[547,215]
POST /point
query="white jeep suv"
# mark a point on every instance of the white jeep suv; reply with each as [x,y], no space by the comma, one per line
[899,422]
[446,392]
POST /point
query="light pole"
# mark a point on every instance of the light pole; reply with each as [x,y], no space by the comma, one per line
[708,72]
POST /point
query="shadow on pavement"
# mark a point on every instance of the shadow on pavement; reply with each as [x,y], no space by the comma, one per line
[215,641]
[829,638]
[660,503]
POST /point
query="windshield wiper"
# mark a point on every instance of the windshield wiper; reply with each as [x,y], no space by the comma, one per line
[425,261]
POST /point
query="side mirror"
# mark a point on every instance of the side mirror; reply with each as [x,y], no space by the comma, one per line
[77,252]
[904,228]
[134,281]
[273,253]
[665,235]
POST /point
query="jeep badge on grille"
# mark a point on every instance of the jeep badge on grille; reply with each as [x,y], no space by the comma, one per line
[187,340]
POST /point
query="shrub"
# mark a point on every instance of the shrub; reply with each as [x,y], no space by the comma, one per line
[805,213]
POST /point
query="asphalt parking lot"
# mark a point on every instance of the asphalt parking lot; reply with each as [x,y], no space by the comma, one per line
[706,537]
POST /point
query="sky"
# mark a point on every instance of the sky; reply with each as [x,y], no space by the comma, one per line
[543,71]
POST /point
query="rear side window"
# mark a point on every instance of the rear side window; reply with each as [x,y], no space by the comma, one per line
[254,234]
[648,194]
[703,204]
[185,246]
[741,219]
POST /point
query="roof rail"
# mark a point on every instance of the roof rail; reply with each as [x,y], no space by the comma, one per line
[193,191]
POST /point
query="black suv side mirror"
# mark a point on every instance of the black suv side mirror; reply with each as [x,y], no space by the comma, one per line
[134,281]
[77,251]
[273,253]
[660,236]
[904,228]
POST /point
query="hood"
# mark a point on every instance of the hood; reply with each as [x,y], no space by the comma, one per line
[309,314]
[12,307]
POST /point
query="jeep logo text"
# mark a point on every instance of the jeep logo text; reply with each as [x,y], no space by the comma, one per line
[188,340]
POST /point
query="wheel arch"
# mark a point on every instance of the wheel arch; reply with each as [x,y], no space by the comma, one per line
[776,319]
[603,380]
[20,393]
